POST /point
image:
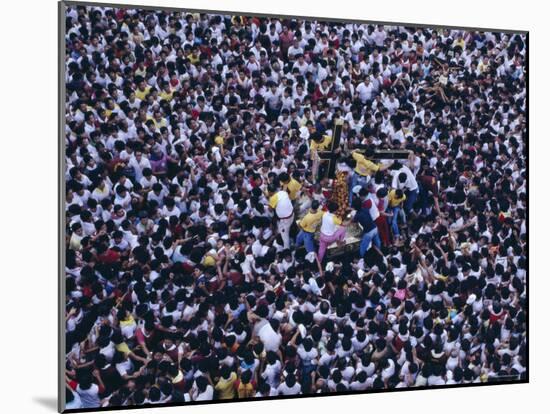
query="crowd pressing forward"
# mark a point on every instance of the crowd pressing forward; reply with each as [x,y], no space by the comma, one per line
[200,230]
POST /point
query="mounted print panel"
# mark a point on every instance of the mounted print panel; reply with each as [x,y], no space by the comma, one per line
[260,207]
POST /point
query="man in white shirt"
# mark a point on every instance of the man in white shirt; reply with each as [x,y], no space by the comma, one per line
[270,336]
[138,162]
[294,50]
[290,386]
[279,201]
[404,179]
[332,229]
[365,90]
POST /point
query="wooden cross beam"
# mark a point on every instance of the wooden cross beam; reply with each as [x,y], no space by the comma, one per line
[324,162]
[387,154]
[328,159]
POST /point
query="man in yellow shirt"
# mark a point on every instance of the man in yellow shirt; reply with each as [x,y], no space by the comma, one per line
[308,226]
[290,185]
[319,142]
[395,203]
[76,237]
[166,93]
[159,120]
[194,56]
[459,41]
[142,90]
[396,198]
[364,169]
[226,384]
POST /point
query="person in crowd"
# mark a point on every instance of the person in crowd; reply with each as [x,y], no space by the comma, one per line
[396,198]
[333,229]
[280,202]
[308,227]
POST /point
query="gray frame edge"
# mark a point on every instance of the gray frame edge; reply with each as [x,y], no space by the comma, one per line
[283,16]
[61,207]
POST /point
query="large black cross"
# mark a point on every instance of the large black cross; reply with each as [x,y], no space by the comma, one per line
[328,159]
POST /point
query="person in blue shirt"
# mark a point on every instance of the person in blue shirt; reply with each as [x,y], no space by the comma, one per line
[370,231]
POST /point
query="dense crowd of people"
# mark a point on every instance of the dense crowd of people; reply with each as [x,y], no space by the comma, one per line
[202,229]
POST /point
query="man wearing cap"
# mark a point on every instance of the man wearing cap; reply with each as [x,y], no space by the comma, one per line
[280,202]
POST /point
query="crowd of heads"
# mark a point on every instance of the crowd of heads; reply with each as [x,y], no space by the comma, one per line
[179,126]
